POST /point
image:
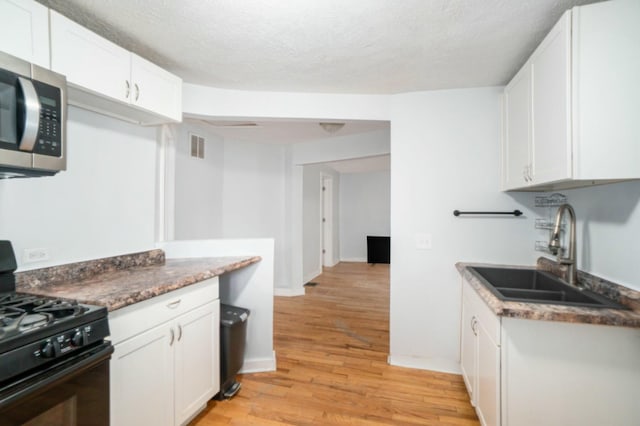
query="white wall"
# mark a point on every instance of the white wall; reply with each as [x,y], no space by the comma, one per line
[253,200]
[209,101]
[311,218]
[237,191]
[368,144]
[103,205]
[198,185]
[608,231]
[365,206]
[445,155]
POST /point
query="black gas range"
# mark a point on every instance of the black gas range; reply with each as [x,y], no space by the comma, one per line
[54,359]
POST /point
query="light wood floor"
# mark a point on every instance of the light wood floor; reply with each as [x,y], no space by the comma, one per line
[332,346]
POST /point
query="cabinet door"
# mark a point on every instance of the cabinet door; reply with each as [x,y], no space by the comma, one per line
[488,377]
[516,130]
[142,380]
[468,348]
[606,92]
[551,100]
[156,89]
[24,30]
[88,60]
[197,367]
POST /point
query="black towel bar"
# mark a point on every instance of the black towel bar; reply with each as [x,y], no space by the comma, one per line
[513,213]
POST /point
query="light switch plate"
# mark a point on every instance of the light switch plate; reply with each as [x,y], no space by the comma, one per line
[423,241]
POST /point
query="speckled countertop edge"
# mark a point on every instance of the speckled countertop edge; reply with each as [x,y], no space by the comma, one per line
[135,280]
[550,312]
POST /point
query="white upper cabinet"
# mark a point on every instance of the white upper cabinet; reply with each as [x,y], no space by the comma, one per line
[88,60]
[155,89]
[550,159]
[571,113]
[517,130]
[24,30]
[106,78]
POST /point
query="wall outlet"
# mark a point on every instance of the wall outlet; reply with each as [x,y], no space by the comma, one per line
[423,241]
[35,255]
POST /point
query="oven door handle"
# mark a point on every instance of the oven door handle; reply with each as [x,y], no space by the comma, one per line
[56,373]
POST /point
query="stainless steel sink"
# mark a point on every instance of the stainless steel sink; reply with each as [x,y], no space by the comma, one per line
[533,286]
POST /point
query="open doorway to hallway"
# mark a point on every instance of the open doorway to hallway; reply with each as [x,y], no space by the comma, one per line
[344,202]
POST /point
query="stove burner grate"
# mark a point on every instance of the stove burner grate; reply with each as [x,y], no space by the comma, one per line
[21,313]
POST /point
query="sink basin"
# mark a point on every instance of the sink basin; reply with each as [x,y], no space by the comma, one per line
[533,286]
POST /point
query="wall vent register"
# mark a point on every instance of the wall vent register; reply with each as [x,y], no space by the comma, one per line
[197,145]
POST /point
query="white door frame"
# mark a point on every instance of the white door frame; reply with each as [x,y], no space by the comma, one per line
[326,220]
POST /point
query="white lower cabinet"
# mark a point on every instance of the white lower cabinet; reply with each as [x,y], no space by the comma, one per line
[523,372]
[165,366]
[480,356]
[142,380]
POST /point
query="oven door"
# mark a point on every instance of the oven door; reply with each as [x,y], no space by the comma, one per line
[73,392]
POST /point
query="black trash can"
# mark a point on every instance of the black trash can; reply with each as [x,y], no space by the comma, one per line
[233,337]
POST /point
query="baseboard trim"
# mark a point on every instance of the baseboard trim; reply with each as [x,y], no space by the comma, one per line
[311,276]
[353,259]
[259,365]
[433,364]
[288,292]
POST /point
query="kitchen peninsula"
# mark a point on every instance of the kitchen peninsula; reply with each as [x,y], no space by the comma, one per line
[164,313]
[119,281]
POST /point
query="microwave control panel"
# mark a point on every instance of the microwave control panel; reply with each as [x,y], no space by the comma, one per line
[49,140]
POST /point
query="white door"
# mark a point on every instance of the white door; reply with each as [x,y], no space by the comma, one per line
[488,379]
[197,374]
[551,113]
[517,131]
[326,196]
[89,60]
[24,30]
[155,89]
[468,350]
[142,380]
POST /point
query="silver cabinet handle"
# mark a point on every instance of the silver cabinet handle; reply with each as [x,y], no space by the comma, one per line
[174,305]
[179,332]
[128,91]
[173,336]
[137,91]
[32,115]
[474,326]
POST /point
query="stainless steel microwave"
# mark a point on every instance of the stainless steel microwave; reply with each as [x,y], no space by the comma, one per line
[33,113]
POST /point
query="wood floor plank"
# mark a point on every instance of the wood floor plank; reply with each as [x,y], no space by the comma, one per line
[332,346]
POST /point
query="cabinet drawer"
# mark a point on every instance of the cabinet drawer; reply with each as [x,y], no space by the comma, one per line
[489,321]
[139,317]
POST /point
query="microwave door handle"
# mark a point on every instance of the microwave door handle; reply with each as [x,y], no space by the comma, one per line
[32,113]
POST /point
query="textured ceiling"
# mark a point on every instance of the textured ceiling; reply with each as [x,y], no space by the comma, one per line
[336,46]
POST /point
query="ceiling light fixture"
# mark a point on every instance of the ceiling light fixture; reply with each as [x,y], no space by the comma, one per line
[331,127]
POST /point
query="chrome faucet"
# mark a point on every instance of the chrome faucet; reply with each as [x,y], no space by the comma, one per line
[555,247]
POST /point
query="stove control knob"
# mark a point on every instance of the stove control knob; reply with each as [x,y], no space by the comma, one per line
[48,350]
[79,338]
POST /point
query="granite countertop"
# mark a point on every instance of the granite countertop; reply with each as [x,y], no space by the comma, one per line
[551,312]
[119,281]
